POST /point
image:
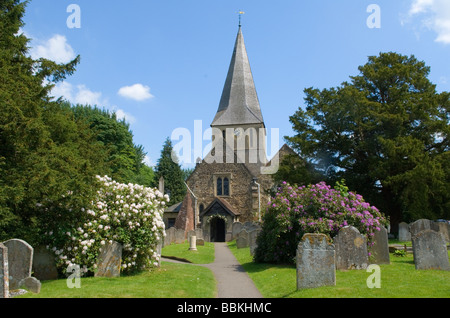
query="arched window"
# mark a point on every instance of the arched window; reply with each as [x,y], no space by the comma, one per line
[201,208]
[226,186]
[219,186]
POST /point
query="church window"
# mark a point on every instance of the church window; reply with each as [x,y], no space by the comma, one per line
[201,208]
[219,186]
[223,186]
[226,186]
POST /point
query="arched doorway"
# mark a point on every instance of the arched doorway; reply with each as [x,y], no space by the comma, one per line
[217,230]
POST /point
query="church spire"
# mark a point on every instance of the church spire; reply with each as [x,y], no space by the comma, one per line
[239,104]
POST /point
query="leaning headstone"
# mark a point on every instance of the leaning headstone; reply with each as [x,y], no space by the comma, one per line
[403,232]
[380,250]
[44,267]
[20,259]
[430,250]
[242,242]
[351,249]
[315,262]
[4,273]
[109,260]
[32,284]
[236,229]
[419,226]
[252,236]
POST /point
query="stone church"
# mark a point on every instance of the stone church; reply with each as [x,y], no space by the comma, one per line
[230,184]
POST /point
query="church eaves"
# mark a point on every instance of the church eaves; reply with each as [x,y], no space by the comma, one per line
[239,104]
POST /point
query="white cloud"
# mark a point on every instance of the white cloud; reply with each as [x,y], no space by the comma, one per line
[56,49]
[121,114]
[436,17]
[148,161]
[78,95]
[136,92]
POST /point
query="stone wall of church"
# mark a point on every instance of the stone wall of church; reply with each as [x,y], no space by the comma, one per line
[204,181]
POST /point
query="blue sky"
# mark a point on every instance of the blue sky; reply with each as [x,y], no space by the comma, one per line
[162,64]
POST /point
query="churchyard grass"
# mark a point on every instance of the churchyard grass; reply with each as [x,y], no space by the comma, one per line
[203,255]
[170,281]
[399,279]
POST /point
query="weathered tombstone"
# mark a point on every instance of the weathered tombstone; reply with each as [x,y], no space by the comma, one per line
[420,225]
[430,250]
[403,232]
[351,249]
[179,236]
[442,227]
[170,236]
[20,259]
[4,273]
[380,250]
[242,239]
[236,229]
[315,262]
[44,267]
[32,284]
[252,237]
[200,242]
[241,242]
[109,260]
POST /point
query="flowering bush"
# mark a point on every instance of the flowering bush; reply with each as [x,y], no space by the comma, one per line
[317,208]
[126,213]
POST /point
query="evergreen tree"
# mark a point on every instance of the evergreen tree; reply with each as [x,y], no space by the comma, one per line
[385,133]
[47,160]
[168,168]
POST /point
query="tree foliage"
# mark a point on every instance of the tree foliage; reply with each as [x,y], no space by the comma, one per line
[173,175]
[386,133]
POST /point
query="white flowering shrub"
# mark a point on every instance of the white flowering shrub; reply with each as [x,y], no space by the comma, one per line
[126,213]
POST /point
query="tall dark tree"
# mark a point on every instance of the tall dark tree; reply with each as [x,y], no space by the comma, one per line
[47,160]
[385,133]
[168,168]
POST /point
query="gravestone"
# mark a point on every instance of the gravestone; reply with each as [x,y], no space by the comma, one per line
[380,250]
[403,232]
[420,225]
[109,260]
[179,236]
[170,236]
[236,229]
[252,236]
[44,267]
[242,239]
[32,284]
[351,249]
[430,250]
[20,259]
[193,243]
[4,273]
[159,251]
[442,227]
[315,262]
[200,242]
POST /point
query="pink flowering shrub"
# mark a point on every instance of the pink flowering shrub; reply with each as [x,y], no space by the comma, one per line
[318,208]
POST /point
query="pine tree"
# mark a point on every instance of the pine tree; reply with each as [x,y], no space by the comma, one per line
[168,168]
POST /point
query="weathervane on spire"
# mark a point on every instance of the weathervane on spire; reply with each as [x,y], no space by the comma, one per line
[240,15]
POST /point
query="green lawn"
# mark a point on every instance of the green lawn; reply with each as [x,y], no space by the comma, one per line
[170,281]
[203,255]
[400,279]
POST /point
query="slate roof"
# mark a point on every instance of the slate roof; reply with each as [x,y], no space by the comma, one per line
[239,104]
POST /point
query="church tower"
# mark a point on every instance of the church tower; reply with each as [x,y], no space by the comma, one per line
[239,122]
